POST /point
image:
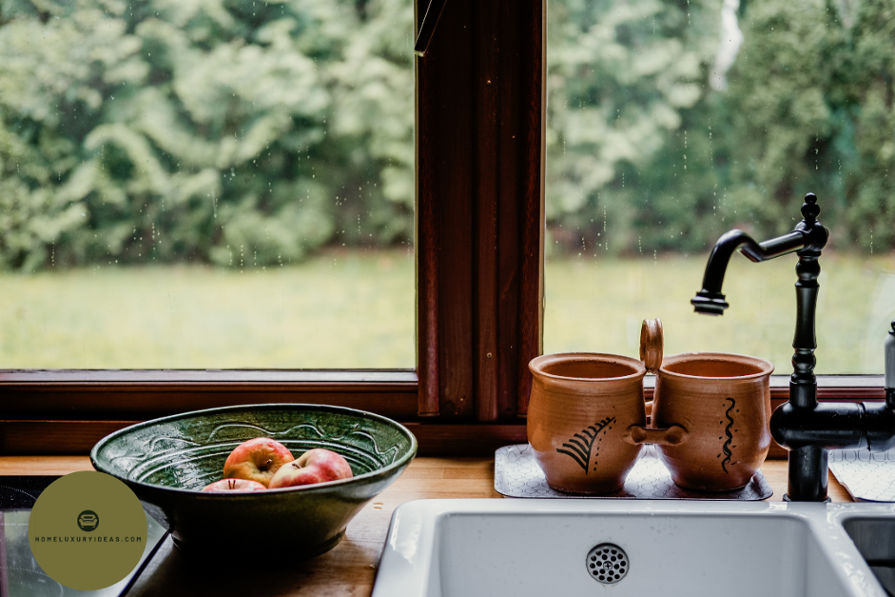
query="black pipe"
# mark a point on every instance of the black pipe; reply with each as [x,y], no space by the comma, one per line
[879,425]
[829,425]
[806,484]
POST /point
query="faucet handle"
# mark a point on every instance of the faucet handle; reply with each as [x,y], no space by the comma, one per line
[810,209]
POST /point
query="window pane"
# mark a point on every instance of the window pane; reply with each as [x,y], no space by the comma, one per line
[671,123]
[196,184]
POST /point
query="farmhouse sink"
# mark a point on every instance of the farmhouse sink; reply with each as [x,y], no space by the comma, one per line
[471,547]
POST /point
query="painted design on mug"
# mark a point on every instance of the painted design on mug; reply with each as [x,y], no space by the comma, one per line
[725,448]
[583,447]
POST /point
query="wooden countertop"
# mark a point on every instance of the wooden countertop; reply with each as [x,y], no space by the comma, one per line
[348,569]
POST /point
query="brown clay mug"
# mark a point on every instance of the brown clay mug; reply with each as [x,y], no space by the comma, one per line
[710,419]
[580,410]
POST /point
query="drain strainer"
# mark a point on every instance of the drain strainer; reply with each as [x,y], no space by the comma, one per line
[607,563]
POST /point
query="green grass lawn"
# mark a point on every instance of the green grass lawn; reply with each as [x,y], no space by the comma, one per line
[598,306]
[342,310]
[337,310]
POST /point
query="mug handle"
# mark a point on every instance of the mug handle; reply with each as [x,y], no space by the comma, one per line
[670,436]
[651,344]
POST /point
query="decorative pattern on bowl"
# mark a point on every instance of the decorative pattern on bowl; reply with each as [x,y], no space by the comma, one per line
[193,459]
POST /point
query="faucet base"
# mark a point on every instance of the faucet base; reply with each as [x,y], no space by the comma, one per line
[808,466]
[786,498]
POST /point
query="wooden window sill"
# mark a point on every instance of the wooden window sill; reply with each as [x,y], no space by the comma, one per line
[67,412]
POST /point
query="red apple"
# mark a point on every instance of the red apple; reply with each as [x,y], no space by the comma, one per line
[257,460]
[314,466]
[234,485]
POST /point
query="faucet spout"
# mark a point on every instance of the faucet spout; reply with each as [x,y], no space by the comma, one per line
[809,236]
[710,300]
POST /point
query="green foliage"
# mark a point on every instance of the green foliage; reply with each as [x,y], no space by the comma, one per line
[241,133]
[820,119]
[646,156]
[621,77]
[253,132]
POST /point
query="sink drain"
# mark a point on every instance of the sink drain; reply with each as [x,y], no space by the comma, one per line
[607,563]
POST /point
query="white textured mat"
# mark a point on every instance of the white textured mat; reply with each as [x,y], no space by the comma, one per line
[867,476]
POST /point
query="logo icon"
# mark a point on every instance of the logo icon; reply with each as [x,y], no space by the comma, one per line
[88,520]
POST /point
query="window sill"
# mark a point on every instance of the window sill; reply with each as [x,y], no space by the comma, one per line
[126,394]
[66,412]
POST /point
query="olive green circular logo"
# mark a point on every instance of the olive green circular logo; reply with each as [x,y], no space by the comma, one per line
[87,530]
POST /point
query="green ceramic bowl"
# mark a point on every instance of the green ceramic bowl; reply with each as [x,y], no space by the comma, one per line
[167,461]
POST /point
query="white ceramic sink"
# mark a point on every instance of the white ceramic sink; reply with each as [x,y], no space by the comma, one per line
[559,548]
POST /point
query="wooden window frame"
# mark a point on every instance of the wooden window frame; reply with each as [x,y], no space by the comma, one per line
[479,244]
[478,269]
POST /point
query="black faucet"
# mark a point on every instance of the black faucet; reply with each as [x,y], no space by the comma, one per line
[806,427]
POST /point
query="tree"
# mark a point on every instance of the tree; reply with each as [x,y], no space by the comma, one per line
[246,133]
[621,75]
[657,159]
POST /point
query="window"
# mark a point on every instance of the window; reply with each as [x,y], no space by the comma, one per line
[670,123]
[479,104]
[205,185]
